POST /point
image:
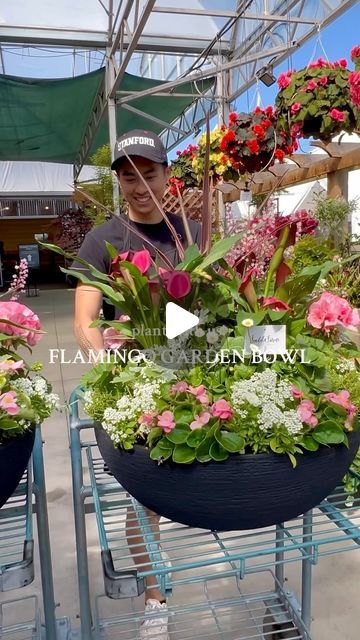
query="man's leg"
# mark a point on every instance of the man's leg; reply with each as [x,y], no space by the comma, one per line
[138,551]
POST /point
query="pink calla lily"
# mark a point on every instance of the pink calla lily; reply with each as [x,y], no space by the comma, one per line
[142,260]
[275,304]
[178,284]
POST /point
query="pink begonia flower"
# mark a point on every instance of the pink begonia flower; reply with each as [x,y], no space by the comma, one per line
[343,400]
[305,412]
[283,80]
[166,421]
[338,116]
[221,409]
[200,394]
[296,392]
[11,365]
[311,85]
[179,387]
[354,82]
[8,403]
[200,421]
[275,304]
[343,62]
[146,419]
[21,315]
[323,81]
[330,310]
[355,53]
[178,284]
[295,107]
[142,260]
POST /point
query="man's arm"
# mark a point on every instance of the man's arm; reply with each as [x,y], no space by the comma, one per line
[87,307]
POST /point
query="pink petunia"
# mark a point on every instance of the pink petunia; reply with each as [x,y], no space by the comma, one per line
[221,409]
[305,412]
[11,365]
[200,394]
[200,421]
[8,403]
[166,421]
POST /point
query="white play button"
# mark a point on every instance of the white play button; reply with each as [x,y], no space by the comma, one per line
[178,320]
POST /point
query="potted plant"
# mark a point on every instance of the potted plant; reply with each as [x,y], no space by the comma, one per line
[315,101]
[251,143]
[215,429]
[26,398]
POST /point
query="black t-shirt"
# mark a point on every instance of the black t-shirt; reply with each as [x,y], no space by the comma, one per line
[94,251]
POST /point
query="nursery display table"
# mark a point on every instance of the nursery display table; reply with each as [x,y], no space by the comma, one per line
[208,562]
[20,618]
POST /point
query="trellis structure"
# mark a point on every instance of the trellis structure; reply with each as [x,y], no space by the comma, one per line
[197,40]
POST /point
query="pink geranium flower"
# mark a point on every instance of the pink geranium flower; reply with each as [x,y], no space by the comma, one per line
[23,316]
[221,409]
[11,365]
[200,421]
[166,421]
[331,310]
[200,394]
[179,387]
[8,403]
[338,116]
[305,412]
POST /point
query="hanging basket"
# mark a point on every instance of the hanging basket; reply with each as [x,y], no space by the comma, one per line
[14,456]
[245,492]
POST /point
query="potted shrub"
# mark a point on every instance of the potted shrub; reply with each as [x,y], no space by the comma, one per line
[239,423]
[26,398]
[251,143]
[315,101]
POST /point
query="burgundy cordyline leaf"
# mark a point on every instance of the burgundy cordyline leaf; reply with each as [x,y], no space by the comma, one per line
[171,228]
[127,225]
[206,227]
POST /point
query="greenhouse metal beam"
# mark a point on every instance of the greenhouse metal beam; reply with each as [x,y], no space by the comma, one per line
[234,14]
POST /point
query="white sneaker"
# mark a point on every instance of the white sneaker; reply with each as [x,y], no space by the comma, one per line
[155,623]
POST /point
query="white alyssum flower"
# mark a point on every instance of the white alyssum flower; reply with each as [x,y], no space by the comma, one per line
[270,395]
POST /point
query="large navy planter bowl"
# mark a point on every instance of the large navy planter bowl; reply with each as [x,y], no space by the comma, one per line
[244,492]
[14,456]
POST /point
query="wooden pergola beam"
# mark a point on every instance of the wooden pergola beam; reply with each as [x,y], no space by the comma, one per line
[265,182]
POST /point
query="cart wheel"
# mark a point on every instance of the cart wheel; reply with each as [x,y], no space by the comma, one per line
[273,630]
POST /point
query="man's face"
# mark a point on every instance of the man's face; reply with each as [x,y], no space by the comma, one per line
[134,190]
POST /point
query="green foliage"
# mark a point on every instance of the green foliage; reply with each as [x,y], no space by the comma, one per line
[309,251]
[333,215]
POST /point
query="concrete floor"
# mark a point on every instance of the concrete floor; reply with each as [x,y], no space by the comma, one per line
[335,579]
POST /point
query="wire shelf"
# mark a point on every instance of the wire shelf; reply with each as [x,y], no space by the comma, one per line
[255,616]
[27,614]
[16,537]
[198,555]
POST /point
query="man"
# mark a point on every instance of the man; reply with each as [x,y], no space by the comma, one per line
[149,157]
